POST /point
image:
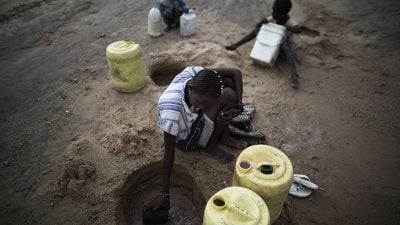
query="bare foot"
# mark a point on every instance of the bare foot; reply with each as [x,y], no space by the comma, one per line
[295,82]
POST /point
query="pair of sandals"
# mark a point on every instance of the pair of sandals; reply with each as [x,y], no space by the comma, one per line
[302,187]
[242,129]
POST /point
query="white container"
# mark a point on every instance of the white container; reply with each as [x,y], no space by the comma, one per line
[188,23]
[155,24]
[267,45]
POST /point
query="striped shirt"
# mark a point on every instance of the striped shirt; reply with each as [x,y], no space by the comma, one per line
[174,115]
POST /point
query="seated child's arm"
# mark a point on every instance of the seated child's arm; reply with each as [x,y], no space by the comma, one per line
[232,78]
[162,200]
[263,21]
[295,29]
[302,29]
[169,155]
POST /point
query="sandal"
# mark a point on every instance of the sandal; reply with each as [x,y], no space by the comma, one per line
[246,115]
[245,126]
[249,109]
[302,187]
[253,137]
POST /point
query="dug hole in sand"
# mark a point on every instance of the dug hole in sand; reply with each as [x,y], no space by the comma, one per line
[76,151]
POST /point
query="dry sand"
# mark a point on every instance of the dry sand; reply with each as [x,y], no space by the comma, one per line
[76,151]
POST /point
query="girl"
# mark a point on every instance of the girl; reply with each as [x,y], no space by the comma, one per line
[194,112]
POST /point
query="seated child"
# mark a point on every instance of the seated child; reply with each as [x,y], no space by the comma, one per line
[280,15]
[171,10]
[194,112]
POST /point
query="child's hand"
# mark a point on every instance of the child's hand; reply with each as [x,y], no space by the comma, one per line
[157,202]
[225,117]
[309,32]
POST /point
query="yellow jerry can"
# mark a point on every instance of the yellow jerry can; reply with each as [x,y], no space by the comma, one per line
[268,172]
[126,65]
[236,206]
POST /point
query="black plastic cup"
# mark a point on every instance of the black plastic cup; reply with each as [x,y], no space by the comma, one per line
[159,216]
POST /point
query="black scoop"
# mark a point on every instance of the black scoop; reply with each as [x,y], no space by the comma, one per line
[159,216]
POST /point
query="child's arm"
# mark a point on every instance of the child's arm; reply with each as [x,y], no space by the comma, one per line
[295,29]
[263,21]
[169,155]
[162,200]
[232,78]
[302,29]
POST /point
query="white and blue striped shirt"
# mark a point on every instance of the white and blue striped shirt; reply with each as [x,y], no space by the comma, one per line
[175,117]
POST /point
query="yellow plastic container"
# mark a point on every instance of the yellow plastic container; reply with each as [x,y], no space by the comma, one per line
[127,67]
[268,172]
[236,206]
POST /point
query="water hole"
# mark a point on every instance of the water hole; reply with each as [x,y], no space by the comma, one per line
[187,201]
[163,72]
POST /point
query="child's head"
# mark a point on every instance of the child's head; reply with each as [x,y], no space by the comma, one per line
[204,88]
[280,10]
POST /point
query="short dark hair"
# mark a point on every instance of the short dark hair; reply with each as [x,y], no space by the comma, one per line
[208,82]
[283,5]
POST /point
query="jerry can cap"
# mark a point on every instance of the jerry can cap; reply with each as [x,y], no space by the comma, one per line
[266,169]
[123,50]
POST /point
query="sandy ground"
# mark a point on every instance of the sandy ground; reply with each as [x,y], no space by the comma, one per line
[76,151]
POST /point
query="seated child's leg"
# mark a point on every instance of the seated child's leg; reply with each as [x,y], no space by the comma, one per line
[225,102]
[168,16]
[291,57]
[177,16]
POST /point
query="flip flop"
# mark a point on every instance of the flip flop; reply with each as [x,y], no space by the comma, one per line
[298,189]
[305,181]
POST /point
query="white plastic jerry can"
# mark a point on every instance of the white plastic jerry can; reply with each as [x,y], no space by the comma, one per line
[155,22]
[267,45]
[188,23]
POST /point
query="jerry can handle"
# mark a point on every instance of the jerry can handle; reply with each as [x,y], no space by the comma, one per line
[238,210]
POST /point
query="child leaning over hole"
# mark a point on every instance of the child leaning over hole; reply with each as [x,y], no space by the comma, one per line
[194,112]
